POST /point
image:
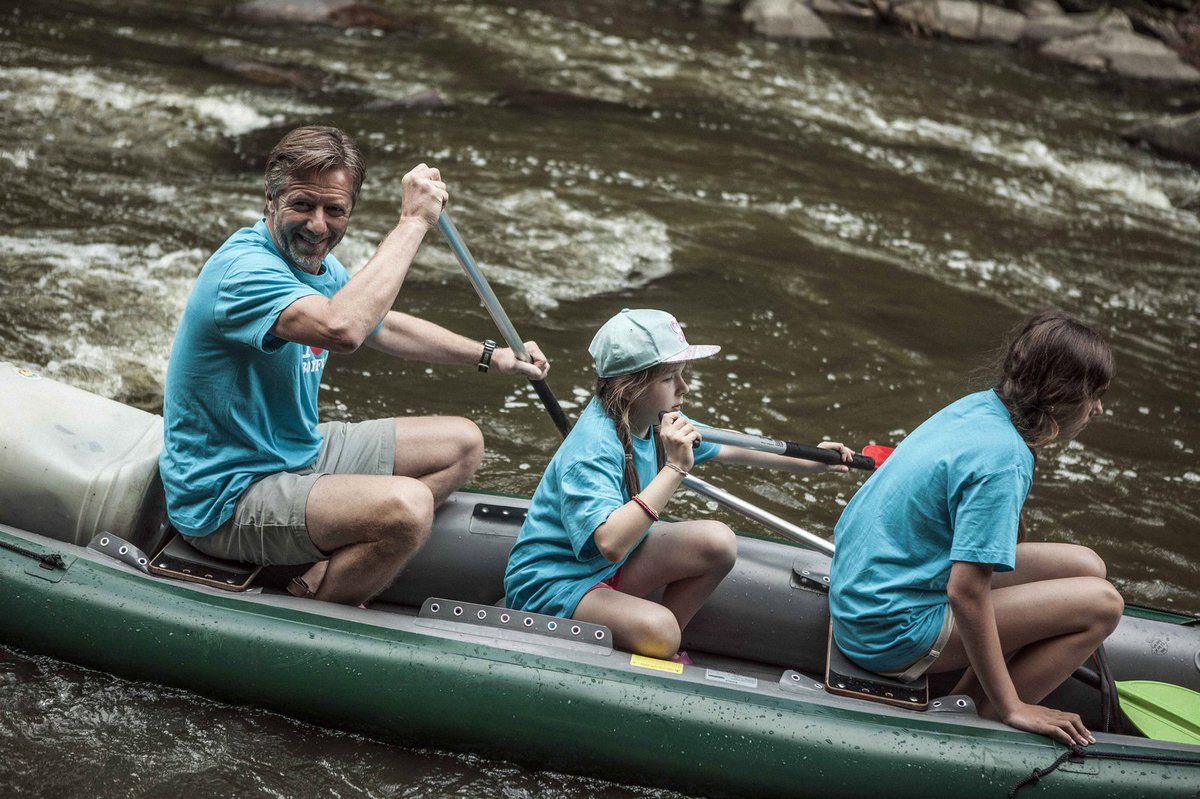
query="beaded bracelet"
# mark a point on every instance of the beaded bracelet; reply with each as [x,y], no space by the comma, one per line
[642,504]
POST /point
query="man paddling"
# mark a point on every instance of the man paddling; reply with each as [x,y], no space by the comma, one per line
[249,473]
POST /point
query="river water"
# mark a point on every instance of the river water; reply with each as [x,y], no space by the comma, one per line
[857,225]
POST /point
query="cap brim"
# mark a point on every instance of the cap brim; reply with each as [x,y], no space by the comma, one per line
[693,352]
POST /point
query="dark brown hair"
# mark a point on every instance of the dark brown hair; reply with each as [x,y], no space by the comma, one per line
[313,149]
[617,395]
[1053,365]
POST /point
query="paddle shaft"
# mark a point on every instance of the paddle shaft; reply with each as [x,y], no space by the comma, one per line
[772,522]
[503,323]
[788,449]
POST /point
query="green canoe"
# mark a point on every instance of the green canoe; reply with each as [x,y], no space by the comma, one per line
[437,662]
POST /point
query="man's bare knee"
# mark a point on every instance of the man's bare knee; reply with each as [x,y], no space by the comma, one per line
[408,516]
[467,443]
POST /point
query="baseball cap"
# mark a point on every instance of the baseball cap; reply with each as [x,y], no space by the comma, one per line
[640,338]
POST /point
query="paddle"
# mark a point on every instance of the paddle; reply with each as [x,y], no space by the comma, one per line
[1160,710]
[871,458]
[769,520]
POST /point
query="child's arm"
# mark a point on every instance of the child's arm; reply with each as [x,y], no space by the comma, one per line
[769,460]
[626,525]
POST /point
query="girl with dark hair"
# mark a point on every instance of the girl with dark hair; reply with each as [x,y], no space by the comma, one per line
[929,576]
[587,550]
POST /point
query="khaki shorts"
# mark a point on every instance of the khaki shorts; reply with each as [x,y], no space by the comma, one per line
[919,666]
[268,523]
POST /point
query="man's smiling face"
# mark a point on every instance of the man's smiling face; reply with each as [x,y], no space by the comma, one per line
[309,216]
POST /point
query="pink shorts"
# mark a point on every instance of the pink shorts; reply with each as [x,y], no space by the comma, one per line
[611,582]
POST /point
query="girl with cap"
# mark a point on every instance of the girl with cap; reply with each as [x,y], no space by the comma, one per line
[929,575]
[587,550]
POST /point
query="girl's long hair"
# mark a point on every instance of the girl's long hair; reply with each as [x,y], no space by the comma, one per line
[617,395]
[1053,365]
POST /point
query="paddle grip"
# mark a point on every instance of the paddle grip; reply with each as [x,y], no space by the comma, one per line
[830,456]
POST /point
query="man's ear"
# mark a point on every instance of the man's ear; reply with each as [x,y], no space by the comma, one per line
[267,199]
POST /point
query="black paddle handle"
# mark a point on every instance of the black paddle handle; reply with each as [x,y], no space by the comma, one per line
[831,456]
[552,407]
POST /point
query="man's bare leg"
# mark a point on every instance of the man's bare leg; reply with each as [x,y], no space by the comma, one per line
[442,452]
[372,525]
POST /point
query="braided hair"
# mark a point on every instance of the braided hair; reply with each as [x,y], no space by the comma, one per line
[617,395]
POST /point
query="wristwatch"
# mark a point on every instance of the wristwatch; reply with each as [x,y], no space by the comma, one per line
[485,359]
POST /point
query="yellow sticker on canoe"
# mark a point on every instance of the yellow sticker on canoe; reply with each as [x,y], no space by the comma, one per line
[656,664]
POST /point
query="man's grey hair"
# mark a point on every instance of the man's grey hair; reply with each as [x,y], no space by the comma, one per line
[313,149]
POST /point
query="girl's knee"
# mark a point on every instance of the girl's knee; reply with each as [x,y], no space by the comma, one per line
[719,545]
[1081,561]
[1104,602]
[657,633]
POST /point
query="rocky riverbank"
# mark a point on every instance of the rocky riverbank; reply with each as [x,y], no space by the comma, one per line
[1153,43]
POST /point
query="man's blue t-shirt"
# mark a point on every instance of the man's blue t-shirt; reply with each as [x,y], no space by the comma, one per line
[555,560]
[952,491]
[239,403]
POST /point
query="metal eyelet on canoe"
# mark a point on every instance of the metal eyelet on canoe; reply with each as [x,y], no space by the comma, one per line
[123,550]
[599,635]
[504,618]
[552,625]
[575,630]
[458,611]
[434,608]
[481,615]
[937,703]
[103,542]
[796,678]
[141,561]
[528,621]
[961,703]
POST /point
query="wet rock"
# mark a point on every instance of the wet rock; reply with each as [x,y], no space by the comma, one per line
[334,13]
[786,19]
[1175,137]
[961,19]
[427,100]
[283,76]
[1123,53]
[1039,8]
[1042,29]
[862,9]
[543,99]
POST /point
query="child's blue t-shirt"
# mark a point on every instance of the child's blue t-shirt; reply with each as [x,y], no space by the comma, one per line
[952,491]
[239,403]
[555,560]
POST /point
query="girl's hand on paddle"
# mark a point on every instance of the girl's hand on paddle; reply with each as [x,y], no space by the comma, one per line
[846,452]
[1066,727]
[507,363]
[678,437]
[424,195]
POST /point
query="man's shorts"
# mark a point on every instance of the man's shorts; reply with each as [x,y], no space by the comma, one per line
[268,523]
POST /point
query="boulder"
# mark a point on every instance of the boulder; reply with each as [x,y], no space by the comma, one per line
[264,73]
[786,19]
[961,19]
[1042,29]
[862,9]
[1175,137]
[1039,8]
[426,100]
[334,13]
[1123,53]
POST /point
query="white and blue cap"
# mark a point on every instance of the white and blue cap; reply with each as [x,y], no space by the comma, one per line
[637,339]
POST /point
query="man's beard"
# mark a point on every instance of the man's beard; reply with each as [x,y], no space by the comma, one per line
[292,242]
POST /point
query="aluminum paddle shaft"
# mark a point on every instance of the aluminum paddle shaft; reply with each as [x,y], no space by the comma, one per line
[503,323]
[790,449]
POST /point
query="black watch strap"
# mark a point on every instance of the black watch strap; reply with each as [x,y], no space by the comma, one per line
[485,359]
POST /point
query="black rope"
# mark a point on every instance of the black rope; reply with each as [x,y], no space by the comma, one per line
[52,561]
[1077,754]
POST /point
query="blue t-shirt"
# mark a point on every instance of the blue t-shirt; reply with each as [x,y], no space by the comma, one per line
[555,560]
[239,403]
[952,491]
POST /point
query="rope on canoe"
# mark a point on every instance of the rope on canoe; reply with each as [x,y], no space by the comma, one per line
[1077,754]
[52,561]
